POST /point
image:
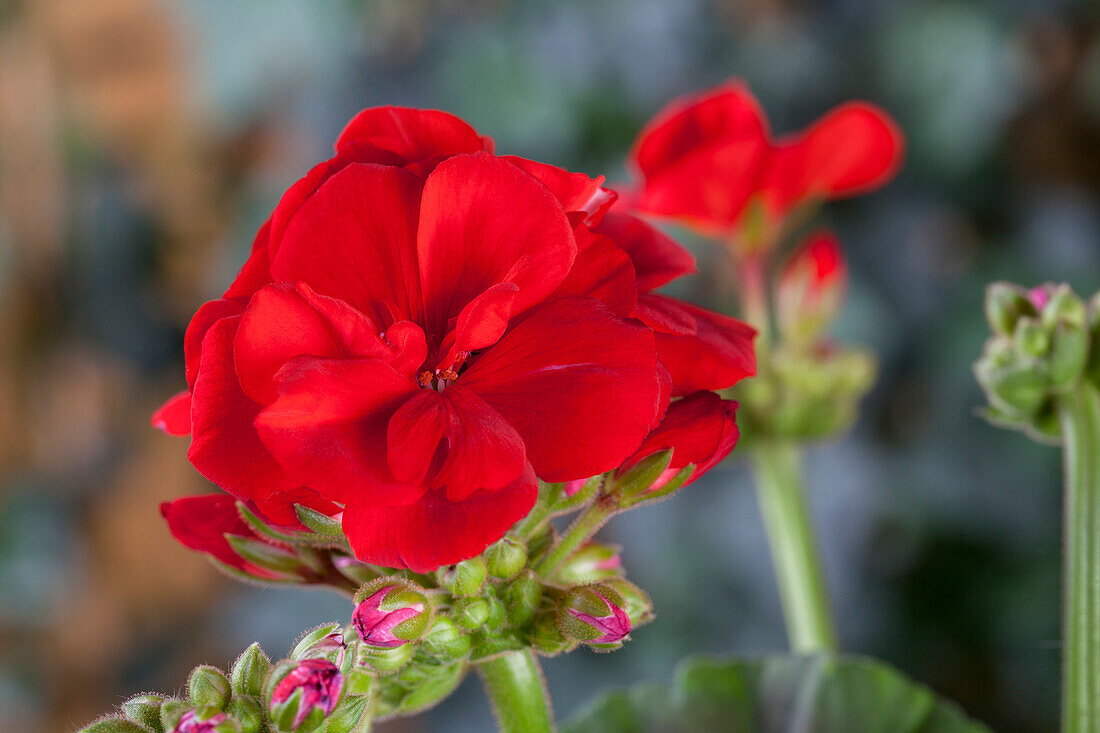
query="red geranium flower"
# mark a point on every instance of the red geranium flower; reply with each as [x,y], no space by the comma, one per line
[421,329]
[708,158]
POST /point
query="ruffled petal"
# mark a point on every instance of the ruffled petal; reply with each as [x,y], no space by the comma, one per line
[702,350]
[602,271]
[578,383]
[224,445]
[328,427]
[486,222]
[656,257]
[354,239]
[436,531]
[576,191]
[206,316]
[413,134]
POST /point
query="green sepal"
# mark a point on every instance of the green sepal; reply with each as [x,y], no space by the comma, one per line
[305,647]
[560,503]
[144,710]
[359,682]
[427,686]
[1069,354]
[464,579]
[208,687]
[506,557]
[326,531]
[247,674]
[267,556]
[384,661]
[170,713]
[1005,304]
[639,478]
[445,641]
[247,713]
[263,529]
[522,597]
[352,716]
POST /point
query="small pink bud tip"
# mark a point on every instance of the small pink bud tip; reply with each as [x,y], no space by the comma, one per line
[191,724]
[613,627]
[1039,296]
[377,617]
[570,488]
[320,682]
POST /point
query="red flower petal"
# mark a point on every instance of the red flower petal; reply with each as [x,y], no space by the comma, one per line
[453,440]
[328,427]
[472,236]
[656,256]
[702,157]
[206,316]
[436,531]
[602,271]
[578,383]
[174,416]
[413,134]
[854,148]
[279,510]
[201,523]
[354,239]
[702,350]
[575,191]
[700,429]
[224,446]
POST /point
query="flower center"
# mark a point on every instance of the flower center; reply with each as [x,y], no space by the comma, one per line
[441,376]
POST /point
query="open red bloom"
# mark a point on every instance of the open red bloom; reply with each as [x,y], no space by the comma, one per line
[420,331]
[708,158]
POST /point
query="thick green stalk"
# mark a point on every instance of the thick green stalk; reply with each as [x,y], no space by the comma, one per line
[583,527]
[517,692]
[1079,416]
[798,570]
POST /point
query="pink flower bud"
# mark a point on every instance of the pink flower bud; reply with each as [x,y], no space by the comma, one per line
[391,616]
[320,683]
[570,488]
[811,286]
[189,723]
[594,614]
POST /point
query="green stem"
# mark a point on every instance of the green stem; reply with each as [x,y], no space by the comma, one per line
[517,692]
[583,527]
[794,549]
[1079,416]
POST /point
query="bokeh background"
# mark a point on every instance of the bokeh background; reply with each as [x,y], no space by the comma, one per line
[143,141]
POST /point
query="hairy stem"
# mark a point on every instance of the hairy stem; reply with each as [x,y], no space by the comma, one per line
[583,527]
[517,692]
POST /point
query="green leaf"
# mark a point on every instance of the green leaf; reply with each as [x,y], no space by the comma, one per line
[816,694]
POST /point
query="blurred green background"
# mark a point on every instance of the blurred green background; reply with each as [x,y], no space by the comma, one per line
[143,141]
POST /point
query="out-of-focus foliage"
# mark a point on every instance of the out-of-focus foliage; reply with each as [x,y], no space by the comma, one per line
[143,141]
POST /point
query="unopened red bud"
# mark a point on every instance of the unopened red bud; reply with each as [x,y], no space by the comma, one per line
[594,615]
[195,722]
[307,693]
[811,287]
[392,615]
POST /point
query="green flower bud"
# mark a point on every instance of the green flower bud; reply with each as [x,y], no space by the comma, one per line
[590,563]
[424,686]
[1031,337]
[113,725]
[594,615]
[445,641]
[208,687]
[1004,305]
[385,661]
[144,710]
[522,597]
[171,711]
[506,557]
[464,579]
[472,613]
[247,674]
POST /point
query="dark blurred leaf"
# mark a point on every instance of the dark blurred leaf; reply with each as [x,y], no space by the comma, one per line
[818,694]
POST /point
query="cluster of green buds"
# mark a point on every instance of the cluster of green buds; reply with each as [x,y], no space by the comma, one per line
[412,637]
[808,387]
[1041,347]
[301,694]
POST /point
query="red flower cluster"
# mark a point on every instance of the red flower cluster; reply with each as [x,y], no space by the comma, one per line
[708,159]
[423,327]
